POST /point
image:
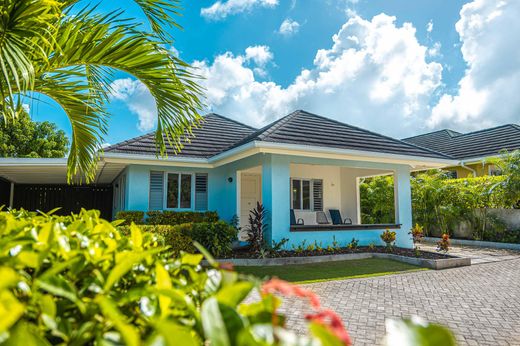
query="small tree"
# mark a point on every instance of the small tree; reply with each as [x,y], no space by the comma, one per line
[509,164]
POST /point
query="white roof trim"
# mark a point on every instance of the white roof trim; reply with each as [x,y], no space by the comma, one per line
[16,161]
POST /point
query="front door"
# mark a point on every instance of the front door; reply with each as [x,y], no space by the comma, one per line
[250,194]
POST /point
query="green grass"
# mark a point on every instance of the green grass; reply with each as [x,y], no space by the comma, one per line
[315,272]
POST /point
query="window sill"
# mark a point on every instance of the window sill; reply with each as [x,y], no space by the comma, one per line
[321,228]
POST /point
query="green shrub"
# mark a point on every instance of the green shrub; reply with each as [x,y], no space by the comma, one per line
[130,216]
[216,237]
[168,236]
[173,218]
[75,280]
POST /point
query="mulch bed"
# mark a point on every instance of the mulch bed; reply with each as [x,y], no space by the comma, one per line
[245,253]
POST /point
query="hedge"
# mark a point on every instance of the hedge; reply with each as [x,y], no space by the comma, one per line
[173,218]
[216,237]
[130,216]
[168,236]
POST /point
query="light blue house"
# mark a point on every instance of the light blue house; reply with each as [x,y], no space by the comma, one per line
[302,162]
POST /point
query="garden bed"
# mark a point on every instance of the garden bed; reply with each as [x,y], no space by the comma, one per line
[424,259]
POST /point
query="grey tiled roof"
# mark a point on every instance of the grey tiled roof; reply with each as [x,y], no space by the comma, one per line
[304,128]
[487,142]
[215,134]
[218,134]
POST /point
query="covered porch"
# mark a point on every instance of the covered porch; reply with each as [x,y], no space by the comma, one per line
[313,199]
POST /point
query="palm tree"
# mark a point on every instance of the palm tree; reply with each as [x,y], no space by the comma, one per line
[70,54]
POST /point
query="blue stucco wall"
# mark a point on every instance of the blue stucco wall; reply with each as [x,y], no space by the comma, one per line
[222,196]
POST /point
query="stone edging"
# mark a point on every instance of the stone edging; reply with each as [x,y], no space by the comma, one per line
[477,243]
[421,262]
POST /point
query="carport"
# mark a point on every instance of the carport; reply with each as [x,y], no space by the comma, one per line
[41,185]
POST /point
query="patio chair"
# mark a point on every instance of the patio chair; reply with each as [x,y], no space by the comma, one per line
[294,221]
[321,218]
[335,215]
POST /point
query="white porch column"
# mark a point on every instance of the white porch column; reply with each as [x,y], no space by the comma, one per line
[403,206]
[276,196]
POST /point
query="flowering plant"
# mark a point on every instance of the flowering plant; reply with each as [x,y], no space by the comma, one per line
[389,238]
[417,233]
[444,243]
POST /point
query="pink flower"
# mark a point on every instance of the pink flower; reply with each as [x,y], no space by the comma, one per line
[330,320]
[289,290]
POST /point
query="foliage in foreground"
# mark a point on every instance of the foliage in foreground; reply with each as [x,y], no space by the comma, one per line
[70,51]
[26,138]
[77,280]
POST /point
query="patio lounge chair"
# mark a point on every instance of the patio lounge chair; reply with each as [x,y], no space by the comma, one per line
[294,221]
[321,218]
[335,215]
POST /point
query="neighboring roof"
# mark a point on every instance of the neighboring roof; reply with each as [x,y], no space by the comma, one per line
[487,142]
[304,128]
[216,134]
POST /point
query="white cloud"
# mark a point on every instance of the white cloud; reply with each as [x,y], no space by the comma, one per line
[261,55]
[435,50]
[138,99]
[488,93]
[289,27]
[429,26]
[374,75]
[223,8]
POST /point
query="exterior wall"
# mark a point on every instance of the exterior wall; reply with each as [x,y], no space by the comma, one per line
[332,183]
[340,188]
[480,169]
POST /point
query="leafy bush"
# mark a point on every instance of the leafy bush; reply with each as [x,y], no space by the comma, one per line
[173,218]
[130,216]
[216,237]
[389,238]
[377,200]
[444,244]
[417,233]
[76,280]
[170,236]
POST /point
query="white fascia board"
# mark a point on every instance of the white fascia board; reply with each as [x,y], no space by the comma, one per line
[158,161]
[474,160]
[349,154]
[32,162]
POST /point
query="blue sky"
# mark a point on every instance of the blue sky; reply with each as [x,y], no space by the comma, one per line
[395,67]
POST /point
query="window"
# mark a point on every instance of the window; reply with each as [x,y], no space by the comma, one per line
[178,191]
[307,194]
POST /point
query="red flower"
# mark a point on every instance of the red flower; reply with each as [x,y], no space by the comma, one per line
[330,320]
[289,290]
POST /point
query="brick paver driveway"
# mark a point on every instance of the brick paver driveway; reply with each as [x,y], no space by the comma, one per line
[480,303]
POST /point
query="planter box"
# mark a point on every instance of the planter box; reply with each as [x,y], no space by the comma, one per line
[436,264]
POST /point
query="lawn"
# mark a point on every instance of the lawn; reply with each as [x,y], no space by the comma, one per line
[326,271]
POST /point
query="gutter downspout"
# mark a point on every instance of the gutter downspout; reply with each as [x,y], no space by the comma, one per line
[11,196]
[474,172]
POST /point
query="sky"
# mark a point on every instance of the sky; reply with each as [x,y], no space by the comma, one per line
[397,67]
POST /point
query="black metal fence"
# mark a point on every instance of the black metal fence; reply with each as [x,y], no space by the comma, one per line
[70,198]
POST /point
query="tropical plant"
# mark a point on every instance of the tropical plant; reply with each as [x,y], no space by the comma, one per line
[377,200]
[71,53]
[26,138]
[256,228]
[77,280]
[509,165]
[417,233]
[389,238]
[444,244]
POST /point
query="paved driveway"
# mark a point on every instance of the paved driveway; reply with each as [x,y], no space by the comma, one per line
[480,303]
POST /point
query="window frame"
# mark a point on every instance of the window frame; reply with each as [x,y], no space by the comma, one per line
[192,191]
[311,194]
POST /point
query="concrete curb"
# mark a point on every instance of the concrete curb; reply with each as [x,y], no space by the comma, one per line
[421,262]
[477,243]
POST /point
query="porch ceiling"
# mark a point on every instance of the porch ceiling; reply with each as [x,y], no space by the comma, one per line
[51,171]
